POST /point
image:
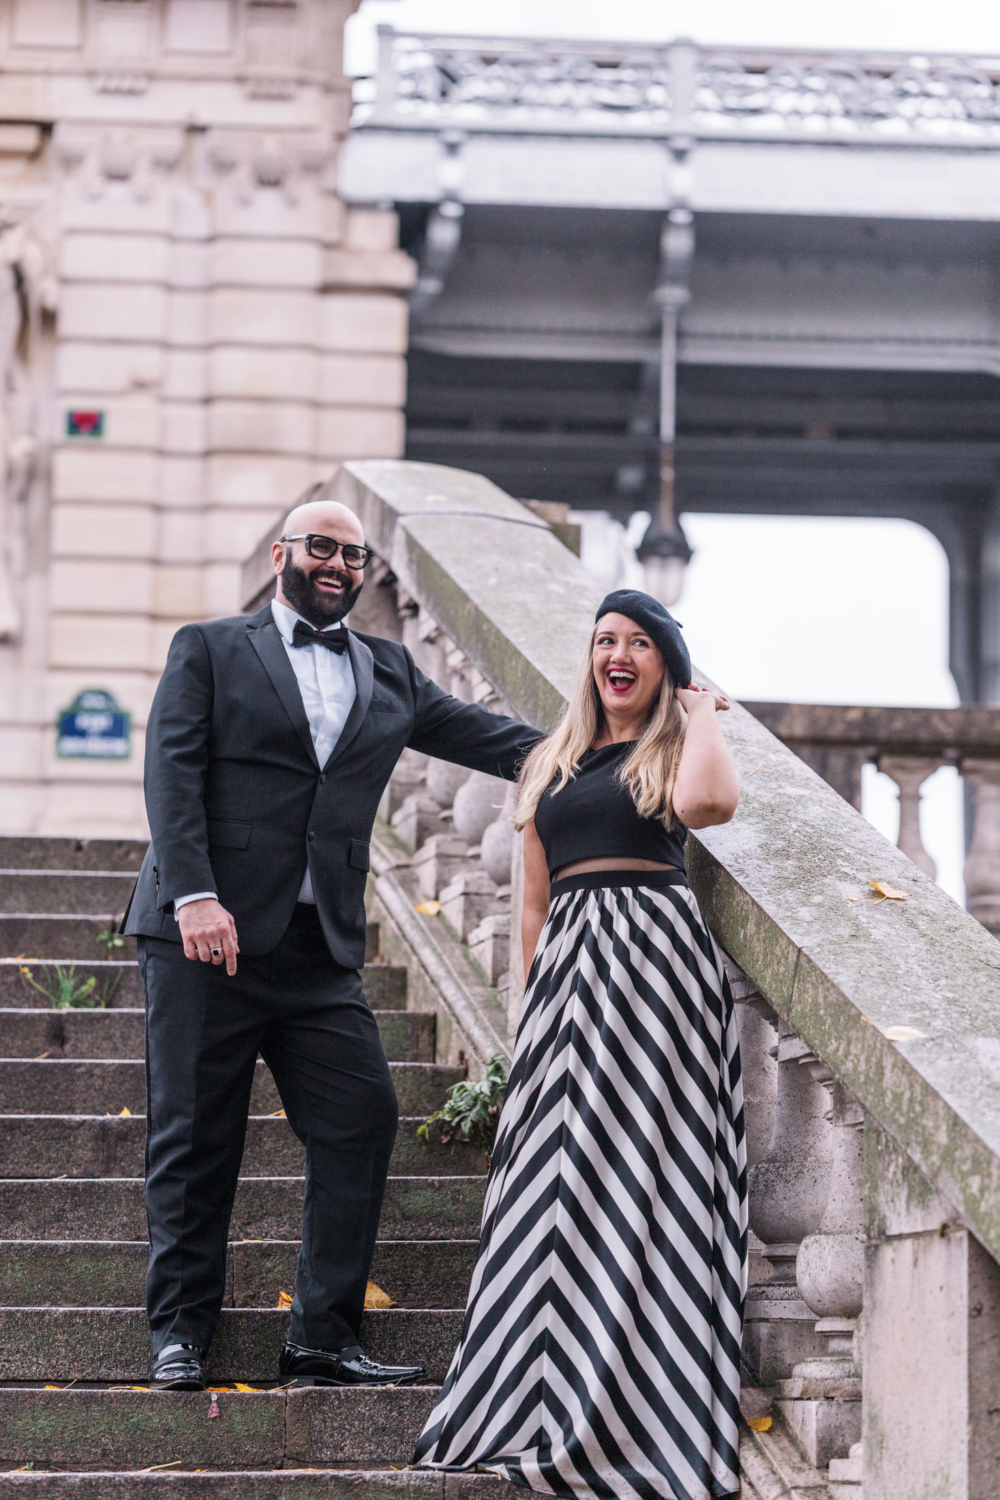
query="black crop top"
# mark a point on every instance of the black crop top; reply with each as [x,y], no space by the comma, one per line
[593,817]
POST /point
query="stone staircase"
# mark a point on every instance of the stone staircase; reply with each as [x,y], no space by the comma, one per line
[75,1415]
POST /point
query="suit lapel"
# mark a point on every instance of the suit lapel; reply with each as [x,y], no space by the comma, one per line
[266,641]
[363,664]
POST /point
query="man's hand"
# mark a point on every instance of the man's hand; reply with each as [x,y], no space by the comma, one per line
[209,933]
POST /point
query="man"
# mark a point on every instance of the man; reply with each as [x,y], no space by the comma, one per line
[269,744]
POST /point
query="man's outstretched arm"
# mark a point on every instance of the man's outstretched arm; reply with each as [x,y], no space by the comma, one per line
[466,733]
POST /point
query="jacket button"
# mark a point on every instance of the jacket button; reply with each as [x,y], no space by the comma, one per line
[311,837]
[322,779]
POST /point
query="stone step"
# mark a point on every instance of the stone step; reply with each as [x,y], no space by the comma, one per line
[110,1344]
[62,938]
[266,1208]
[110,1273]
[263,1429]
[33,853]
[384,984]
[100,1087]
[407,1036]
[121,982]
[70,937]
[288,1483]
[65,890]
[109,1146]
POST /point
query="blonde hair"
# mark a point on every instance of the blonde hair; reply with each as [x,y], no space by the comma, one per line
[649,772]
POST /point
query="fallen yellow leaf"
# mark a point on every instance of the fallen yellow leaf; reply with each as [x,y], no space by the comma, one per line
[902,1033]
[241,1387]
[428,908]
[284,1301]
[277,1114]
[126,1114]
[375,1297]
[218,1387]
[888,892]
[760,1424]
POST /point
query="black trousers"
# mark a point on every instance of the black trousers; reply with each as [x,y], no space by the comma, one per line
[309,1020]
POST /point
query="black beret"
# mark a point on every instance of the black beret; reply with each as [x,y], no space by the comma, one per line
[659,625]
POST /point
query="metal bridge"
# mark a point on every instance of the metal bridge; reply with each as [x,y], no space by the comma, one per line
[774,275]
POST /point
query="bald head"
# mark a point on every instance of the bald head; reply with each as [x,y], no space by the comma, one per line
[326,517]
[320,589]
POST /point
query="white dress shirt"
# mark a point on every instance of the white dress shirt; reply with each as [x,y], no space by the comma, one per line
[326,682]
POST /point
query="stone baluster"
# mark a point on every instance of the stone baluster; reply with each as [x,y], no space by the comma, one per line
[408,777]
[757,1022]
[489,942]
[443,854]
[472,895]
[423,637]
[789,1187]
[982,863]
[909,773]
[821,1401]
[459,673]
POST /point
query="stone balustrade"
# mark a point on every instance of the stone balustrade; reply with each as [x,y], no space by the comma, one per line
[870,1031]
[909,745]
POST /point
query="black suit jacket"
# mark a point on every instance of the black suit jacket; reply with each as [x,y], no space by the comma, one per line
[236,797]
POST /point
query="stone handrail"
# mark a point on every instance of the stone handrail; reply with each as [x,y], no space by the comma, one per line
[869,1021]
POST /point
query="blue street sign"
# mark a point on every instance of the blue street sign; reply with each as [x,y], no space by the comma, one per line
[94,727]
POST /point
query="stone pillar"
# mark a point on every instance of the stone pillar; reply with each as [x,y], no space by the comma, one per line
[931,1341]
[821,1401]
[788,1194]
[982,863]
[909,773]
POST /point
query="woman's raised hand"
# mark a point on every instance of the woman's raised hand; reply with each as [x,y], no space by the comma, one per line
[691,697]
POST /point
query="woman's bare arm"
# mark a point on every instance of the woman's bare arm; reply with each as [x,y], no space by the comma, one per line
[706,791]
[536,894]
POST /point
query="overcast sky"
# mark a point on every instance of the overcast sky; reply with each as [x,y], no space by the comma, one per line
[968,26]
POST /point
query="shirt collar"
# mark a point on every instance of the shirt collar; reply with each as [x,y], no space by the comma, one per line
[285,619]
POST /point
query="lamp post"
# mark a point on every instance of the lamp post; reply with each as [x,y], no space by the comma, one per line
[664,551]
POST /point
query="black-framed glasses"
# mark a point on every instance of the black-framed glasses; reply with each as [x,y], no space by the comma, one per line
[324,548]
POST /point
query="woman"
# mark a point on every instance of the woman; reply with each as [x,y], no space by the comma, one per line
[600,1352]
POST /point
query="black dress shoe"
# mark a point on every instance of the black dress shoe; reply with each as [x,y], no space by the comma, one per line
[179,1367]
[340,1367]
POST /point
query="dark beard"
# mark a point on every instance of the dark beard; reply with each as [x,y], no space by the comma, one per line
[310,602]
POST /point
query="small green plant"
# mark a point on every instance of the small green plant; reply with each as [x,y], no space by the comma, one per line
[472,1110]
[111,941]
[64,991]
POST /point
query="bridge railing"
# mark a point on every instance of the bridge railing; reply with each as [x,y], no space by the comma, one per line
[534,86]
[908,745]
[869,1005]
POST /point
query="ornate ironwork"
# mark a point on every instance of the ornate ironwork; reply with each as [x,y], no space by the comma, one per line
[845,98]
[435,82]
[523,84]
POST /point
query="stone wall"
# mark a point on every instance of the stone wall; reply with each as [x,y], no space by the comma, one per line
[173,257]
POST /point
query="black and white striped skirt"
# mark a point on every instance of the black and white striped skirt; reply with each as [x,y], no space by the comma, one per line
[600,1354]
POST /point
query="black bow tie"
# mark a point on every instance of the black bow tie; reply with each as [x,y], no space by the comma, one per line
[333,640]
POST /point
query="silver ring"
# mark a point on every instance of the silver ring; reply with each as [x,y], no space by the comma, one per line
[216,952]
